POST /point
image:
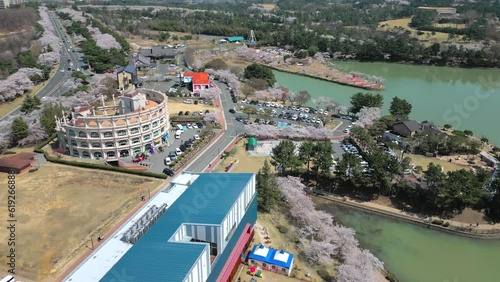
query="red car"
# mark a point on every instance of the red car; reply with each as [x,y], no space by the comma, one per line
[137,160]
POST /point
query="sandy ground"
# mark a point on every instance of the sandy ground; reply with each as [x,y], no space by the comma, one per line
[404,23]
[268,7]
[137,42]
[176,104]
[246,163]
[423,161]
[59,208]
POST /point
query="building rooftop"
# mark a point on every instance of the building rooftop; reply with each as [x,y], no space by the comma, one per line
[207,201]
[235,38]
[129,69]
[19,161]
[271,256]
[198,77]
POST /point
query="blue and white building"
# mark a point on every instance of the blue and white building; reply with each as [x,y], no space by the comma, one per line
[208,220]
[271,259]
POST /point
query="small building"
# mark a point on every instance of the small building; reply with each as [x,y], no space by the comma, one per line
[197,81]
[222,41]
[407,128]
[271,259]
[140,62]
[234,39]
[445,11]
[127,78]
[158,52]
[19,163]
[489,159]
[252,143]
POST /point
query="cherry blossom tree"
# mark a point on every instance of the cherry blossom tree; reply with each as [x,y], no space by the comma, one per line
[75,15]
[36,134]
[49,59]
[318,56]
[48,38]
[103,40]
[77,38]
[211,117]
[318,101]
[262,95]
[210,94]
[367,116]
[330,105]
[18,83]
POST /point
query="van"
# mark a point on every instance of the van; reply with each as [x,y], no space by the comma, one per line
[179,127]
[178,134]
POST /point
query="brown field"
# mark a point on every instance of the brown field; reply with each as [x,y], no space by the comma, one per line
[7,107]
[59,208]
[438,37]
[424,161]
[268,7]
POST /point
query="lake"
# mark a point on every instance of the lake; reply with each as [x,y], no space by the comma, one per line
[418,254]
[464,98]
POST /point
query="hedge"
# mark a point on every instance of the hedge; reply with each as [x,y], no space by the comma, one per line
[38,149]
[103,167]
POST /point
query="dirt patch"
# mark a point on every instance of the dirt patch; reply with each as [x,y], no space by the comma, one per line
[59,208]
[470,216]
[137,42]
[437,37]
[422,161]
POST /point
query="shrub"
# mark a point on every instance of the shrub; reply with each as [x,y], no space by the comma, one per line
[102,166]
[282,229]
[446,224]
[438,221]
[390,277]
[323,273]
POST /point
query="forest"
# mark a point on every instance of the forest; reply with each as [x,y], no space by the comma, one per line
[348,29]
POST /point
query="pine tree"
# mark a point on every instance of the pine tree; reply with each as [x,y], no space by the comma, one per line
[268,193]
[30,104]
[19,129]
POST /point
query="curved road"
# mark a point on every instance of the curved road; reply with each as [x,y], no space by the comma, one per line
[53,86]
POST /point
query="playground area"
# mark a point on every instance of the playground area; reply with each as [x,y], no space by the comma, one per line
[264,148]
[60,208]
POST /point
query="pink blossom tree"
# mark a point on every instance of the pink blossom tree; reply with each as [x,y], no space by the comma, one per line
[262,95]
[75,15]
[318,101]
[18,83]
[103,40]
[367,116]
[210,94]
[211,117]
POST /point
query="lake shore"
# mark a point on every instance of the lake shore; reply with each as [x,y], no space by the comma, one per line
[337,77]
[482,231]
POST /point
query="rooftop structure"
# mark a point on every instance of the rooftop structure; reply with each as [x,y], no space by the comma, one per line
[193,240]
[197,80]
[441,10]
[137,123]
[271,259]
[19,163]
[127,78]
[233,39]
[140,61]
[158,52]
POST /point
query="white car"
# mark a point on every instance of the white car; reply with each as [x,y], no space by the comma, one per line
[195,126]
[197,137]
[178,151]
[321,111]
[168,161]
[318,121]
[200,112]
[325,113]
[189,126]
[346,130]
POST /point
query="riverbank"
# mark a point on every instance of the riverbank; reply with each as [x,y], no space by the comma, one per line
[337,77]
[481,231]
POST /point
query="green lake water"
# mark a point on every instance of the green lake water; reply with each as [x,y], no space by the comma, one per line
[418,254]
[464,98]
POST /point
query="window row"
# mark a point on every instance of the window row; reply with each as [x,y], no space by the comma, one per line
[110,144]
[119,133]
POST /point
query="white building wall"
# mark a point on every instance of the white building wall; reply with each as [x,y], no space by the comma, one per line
[237,211]
[201,268]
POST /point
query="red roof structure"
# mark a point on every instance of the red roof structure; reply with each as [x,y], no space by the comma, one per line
[19,163]
[198,77]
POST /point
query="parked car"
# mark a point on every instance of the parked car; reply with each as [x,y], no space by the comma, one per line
[182,147]
[199,124]
[197,137]
[181,113]
[232,111]
[189,126]
[207,111]
[195,126]
[186,113]
[172,155]
[168,161]
[168,172]
[196,102]
[178,151]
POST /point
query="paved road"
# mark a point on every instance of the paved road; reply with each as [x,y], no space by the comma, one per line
[53,87]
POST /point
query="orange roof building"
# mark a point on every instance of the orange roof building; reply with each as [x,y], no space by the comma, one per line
[199,80]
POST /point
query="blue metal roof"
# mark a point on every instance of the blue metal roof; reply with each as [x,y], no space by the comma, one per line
[235,38]
[270,257]
[153,258]
[129,69]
